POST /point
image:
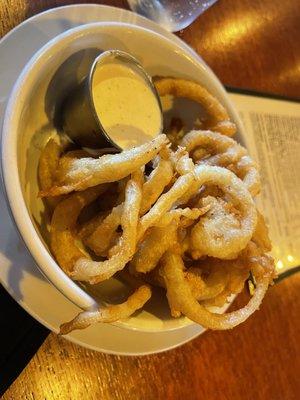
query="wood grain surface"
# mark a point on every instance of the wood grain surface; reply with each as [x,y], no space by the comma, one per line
[250,44]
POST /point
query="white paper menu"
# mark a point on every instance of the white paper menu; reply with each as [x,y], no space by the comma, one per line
[273,140]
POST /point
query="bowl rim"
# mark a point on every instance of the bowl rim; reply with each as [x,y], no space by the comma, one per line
[9,149]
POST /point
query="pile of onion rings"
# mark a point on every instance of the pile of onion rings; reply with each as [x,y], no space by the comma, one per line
[183,219]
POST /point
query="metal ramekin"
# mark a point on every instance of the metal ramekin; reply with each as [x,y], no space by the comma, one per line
[79,118]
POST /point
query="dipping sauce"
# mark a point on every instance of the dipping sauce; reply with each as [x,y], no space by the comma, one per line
[126,106]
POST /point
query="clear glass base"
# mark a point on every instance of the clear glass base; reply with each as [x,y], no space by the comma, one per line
[172,15]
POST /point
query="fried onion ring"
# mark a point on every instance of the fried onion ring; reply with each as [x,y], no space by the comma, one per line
[109,313]
[159,178]
[218,233]
[63,224]
[224,149]
[154,245]
[93,271]
[236,273]
[185,214]
[100,240]
[246,170]
[209,235]
[212,286]
[165,202]
[218,120]
[90,226]
[79,174]
[261,234]
[181,297]
[209,175]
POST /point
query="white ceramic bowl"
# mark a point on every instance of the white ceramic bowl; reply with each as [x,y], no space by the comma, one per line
[28,123]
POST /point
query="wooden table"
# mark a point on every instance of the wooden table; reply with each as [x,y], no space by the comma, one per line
[251,44]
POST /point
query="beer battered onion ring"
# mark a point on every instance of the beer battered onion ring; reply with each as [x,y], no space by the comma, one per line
[91,271]
[79,174]
[182,214]
[63,224]
[261,235]
[236,273]
[101,238]
[99,241]
[159,178]
[161,237]
[246,170]
[202,287]
[218,233]
[180,295]
[212,286]
[151,249]
[224,149]
[226,152]
[218,120]
[213,280]
[231,186]
[87,229]
[164,203]
[109,313]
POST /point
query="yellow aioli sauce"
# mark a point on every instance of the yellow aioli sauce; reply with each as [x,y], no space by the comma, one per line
[126,106]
